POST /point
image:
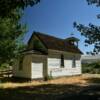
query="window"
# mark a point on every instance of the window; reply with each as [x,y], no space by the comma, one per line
[21,64]
[74,62]
[62,61]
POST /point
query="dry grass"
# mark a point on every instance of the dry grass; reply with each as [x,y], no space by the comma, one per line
[56,89]
[79,80]
[69,80]
[16,84]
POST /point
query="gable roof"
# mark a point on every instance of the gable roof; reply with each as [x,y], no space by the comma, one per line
[55,43]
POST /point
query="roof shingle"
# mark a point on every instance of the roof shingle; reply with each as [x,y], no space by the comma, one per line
[54,43]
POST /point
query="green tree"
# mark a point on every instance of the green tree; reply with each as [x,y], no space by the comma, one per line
[7,6]
[11,30]
[96,2]
[91,32]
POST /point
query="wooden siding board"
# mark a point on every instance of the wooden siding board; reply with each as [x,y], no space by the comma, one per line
[26,72]
[68,70]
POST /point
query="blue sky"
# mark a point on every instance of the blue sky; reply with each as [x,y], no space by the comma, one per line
[56,17]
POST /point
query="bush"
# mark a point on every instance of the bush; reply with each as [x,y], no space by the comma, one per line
[93,68]
[5,67]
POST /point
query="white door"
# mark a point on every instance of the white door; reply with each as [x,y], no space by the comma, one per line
[37,70]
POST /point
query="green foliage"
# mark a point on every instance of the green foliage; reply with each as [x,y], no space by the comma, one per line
[48,78]
[96,2]
[4,66]
[7,6]
[11,31]
[93,68]
[91,32]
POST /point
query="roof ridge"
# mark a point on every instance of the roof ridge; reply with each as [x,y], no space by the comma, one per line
[48,35]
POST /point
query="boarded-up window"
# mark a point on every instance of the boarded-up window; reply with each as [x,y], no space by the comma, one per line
[62,61]
[73,62]
[21,63]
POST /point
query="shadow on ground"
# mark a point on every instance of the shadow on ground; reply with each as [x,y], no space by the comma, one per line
[13,80]
[93,80]
[53,92]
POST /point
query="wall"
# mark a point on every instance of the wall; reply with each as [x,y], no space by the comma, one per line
[26,71]
[54,68]
[27,66]
[51,65]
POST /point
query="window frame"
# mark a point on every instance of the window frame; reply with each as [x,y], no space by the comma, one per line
[62,61]
[74,62]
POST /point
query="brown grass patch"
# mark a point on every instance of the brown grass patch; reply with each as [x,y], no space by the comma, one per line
[78,80]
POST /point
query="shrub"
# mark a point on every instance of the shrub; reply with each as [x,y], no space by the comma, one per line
[93,68]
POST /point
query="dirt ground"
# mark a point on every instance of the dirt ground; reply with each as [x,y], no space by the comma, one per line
[84,87]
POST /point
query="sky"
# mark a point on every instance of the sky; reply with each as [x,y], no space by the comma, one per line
[56,17]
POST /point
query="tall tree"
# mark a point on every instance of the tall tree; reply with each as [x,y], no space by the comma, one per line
[7,6]
[91,32]
[96,2]
[10,28]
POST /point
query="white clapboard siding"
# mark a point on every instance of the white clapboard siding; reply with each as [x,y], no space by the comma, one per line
[59,72]
[78,63]
[64,72]
[68,70]
[68,63]
[53,63]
